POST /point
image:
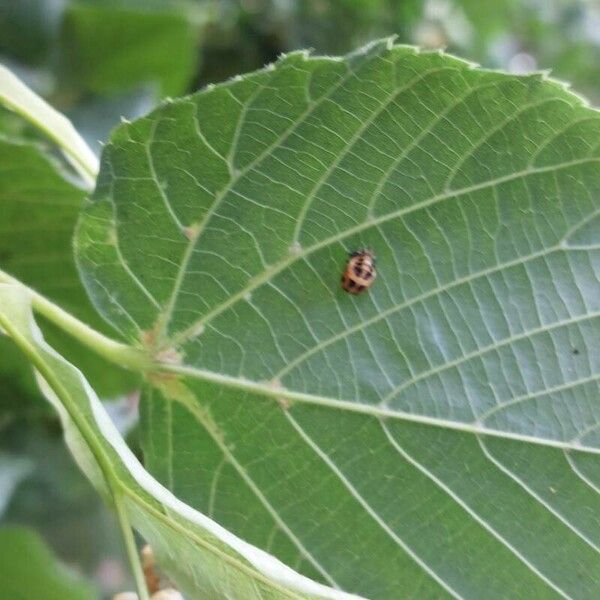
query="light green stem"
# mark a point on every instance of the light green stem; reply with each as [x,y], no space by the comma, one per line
[131,548]
[116,352]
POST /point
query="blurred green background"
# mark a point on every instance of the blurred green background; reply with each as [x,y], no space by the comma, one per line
[102,60]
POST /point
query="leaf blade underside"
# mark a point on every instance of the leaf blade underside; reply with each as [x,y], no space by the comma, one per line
[375,442]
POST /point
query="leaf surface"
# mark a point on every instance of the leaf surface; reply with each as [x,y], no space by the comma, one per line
[436,436]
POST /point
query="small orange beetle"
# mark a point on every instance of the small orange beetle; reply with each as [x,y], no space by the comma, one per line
[360,272]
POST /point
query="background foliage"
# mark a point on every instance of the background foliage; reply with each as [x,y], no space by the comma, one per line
[167,48]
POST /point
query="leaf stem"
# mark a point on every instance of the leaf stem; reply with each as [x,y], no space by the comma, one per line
[130,547]
[116,352]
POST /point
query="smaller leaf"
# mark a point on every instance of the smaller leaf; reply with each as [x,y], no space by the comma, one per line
[16,96]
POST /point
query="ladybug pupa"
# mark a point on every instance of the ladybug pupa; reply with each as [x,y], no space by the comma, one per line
[360,272]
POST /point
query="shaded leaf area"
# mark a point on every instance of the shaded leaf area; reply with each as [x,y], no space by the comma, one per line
[436,436]
[29,570]
[205,560]
[55,499]
[150,42]
[27,29]
[39,205]
[13,470]
[147,46]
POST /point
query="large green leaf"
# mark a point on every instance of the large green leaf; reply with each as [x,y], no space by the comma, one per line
[205,560]
[436,436]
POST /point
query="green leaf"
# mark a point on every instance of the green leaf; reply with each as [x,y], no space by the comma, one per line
[436,436]
[110,48]
[16,96]
[205,560]
[29,570]
[39,205]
